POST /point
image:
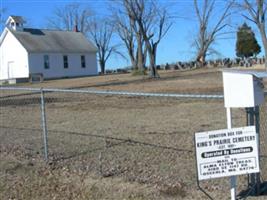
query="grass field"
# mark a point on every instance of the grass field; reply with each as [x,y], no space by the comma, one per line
[112,147]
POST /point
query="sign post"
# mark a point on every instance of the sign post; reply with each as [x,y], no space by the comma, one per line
[233,178]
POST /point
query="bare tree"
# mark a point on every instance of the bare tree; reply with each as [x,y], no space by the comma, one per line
[256,13]
[208,33]
[126,34]
[153,22]
[130,34]
[70,16]
[101,32]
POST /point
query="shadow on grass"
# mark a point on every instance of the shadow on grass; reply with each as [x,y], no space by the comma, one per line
[85,152]
[127,82]
[28,101]
[144,80]
[120,141]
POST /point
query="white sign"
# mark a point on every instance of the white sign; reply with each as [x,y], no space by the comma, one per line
[227,152]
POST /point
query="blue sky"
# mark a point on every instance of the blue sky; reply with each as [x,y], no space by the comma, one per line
[176,46]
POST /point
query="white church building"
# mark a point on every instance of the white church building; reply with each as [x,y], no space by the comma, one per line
[26,52]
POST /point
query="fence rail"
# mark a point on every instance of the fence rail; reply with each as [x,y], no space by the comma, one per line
[126,93]
[123,93]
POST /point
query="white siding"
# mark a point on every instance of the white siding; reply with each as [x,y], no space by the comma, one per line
[14,59]
[57,70]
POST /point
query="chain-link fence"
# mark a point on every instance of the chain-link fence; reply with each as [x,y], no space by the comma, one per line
[142,137]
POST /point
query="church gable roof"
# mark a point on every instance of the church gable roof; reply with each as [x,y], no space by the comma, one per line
[53,41]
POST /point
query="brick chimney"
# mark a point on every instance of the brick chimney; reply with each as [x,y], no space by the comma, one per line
[75,29]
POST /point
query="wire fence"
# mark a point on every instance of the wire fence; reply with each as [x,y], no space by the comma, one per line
[142,137]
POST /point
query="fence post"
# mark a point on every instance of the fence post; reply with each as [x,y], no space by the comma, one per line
[254,119]
[250,122]
[45,138]
[257,123]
